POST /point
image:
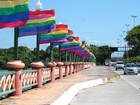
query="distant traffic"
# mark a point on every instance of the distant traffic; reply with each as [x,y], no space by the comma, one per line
[128,68]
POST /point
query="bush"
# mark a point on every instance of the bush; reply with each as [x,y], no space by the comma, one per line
[132,59]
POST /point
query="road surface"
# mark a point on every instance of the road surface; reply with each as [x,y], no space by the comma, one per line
[117,93]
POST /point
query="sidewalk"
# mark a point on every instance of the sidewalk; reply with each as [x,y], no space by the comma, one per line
[51,91]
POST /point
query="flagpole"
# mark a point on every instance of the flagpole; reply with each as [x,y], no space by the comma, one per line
[38,8]
[16,32]
[59,53]
[51,52]
[66,56]
[37,47]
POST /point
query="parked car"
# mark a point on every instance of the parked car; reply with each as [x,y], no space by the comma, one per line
[130,68]
[138,66]
[119,65]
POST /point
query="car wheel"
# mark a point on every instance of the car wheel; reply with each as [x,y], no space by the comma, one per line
[124,73]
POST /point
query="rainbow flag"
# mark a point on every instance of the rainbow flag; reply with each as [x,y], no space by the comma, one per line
[70,45]
[68,39]
[13,13]
[59,34]
[70,35]
[40,22]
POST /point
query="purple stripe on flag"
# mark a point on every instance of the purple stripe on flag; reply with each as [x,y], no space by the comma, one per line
[33,33]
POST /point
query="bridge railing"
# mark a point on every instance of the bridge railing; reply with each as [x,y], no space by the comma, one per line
[7,82]
[14,82]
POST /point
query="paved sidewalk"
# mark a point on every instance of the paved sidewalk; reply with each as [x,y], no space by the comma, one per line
[51,91]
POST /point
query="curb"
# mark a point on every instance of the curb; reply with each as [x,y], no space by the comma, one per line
[66,98]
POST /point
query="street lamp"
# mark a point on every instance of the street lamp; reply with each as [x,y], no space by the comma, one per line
[127,25]
[59,22]
[118,42]
[121,40]
[118,46]
[134,16]
[38,5]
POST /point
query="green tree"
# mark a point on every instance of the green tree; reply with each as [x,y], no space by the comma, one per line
[104,53]
[133,40]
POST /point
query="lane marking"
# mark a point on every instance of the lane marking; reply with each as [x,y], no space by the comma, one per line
[132,84]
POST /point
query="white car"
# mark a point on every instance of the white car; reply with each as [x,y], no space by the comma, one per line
[130,69]
[138,66]
[119,65]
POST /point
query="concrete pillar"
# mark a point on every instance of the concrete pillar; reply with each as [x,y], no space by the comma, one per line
[74,68]
[52,72]
[17,66]
[60,64]
[66,64]
[70,68]
[38,66]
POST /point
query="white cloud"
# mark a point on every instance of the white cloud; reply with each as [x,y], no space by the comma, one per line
[94,42]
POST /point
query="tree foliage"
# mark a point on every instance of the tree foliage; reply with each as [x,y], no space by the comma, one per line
[28,56]
[101,53]
[133,37]
[133,40]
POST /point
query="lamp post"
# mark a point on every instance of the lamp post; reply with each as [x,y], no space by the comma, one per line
[127,25]
[121,40]
[122,37]
[118,46]
[134,16]
[38,8]
[38,5]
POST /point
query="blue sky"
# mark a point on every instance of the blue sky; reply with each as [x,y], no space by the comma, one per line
[98,22]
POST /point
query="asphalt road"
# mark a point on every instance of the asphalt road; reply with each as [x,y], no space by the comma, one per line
[133,80]
[117,93]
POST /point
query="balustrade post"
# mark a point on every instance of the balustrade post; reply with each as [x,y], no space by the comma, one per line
[60,64]
[17,66]
[70,68]
[74,67]
[52,73]
[80,66]
[66,68]
[38,66]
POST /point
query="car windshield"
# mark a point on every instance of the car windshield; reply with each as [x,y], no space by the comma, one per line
[119,63]
[131,65]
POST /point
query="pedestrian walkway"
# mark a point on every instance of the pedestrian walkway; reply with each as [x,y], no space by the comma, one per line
[115,93]
[51,91]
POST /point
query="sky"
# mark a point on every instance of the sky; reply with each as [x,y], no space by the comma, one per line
[98,22]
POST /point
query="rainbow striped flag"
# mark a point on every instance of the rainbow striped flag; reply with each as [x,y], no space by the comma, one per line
[13,13]
[59,34]
[40,22]
[70,45]
[68,39]
[70,36]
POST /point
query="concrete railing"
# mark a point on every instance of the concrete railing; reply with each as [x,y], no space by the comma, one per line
[15,80]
